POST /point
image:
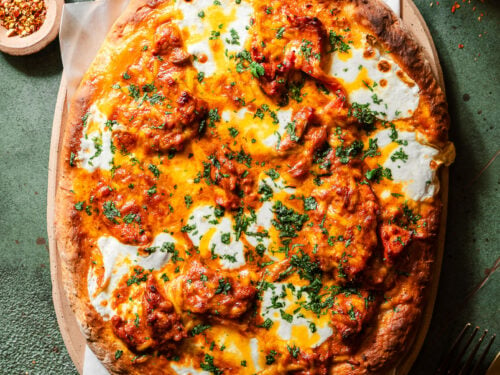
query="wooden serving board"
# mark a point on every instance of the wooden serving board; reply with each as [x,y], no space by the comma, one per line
[70,330]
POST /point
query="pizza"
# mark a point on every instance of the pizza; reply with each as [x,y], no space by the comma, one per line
[252,187]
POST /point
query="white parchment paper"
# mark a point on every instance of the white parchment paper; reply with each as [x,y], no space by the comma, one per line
[91,365]
[83,29]
[395,5]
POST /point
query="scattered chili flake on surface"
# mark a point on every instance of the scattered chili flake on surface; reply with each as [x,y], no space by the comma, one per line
[22,17]
[460,46]
[454,7]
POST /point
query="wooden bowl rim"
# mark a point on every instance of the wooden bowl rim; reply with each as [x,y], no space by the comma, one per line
[16,45]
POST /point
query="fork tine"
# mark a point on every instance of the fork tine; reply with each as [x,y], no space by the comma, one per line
[476,368]
[455,367]
[444,363]
[472,354]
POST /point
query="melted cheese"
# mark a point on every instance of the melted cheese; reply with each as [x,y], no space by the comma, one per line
[255,353]
[117,259]
[209,26]
[201,218]
[416,173]
[289,326]
[237,35]
[266,131]
[230,251]
[284,118]
[95,144]
[220,235]
[237,347]
[175,196]
[277,186]
[386,93]
[265,215]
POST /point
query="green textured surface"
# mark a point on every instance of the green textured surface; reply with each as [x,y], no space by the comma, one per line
[30,341]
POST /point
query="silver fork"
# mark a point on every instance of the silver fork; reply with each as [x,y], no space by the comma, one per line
[456,361]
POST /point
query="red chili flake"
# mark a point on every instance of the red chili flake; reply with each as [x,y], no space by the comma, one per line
[454,7]
[460,46]
[22,17]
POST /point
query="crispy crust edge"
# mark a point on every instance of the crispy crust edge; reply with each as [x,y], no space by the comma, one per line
[69,237]
[397,336]
[389,29]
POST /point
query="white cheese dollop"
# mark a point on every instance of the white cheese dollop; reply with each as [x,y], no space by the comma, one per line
[255,353]
[264,215]
[419,178]
[284,118]
[220,230]
[95,147]
[201,218]
[293,330]
[230,254]
[202,51]
[238,29]
[190,11]
[390,96]
[197,20]
[118,259]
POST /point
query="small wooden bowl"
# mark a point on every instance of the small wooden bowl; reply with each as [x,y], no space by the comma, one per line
[15,45]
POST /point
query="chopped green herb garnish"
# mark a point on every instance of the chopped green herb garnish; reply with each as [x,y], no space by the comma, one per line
[378,173]
[110,211]
[154,169]
[310,204]
[294,351]
[279,33]
[199,328]
[224,287]
[233,132]
[337,42]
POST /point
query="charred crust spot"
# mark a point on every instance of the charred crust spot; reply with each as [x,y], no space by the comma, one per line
[369,53]
[384,66]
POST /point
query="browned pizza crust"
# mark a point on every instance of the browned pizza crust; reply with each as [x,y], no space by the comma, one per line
[69,237]
[388,28]
[381,348]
